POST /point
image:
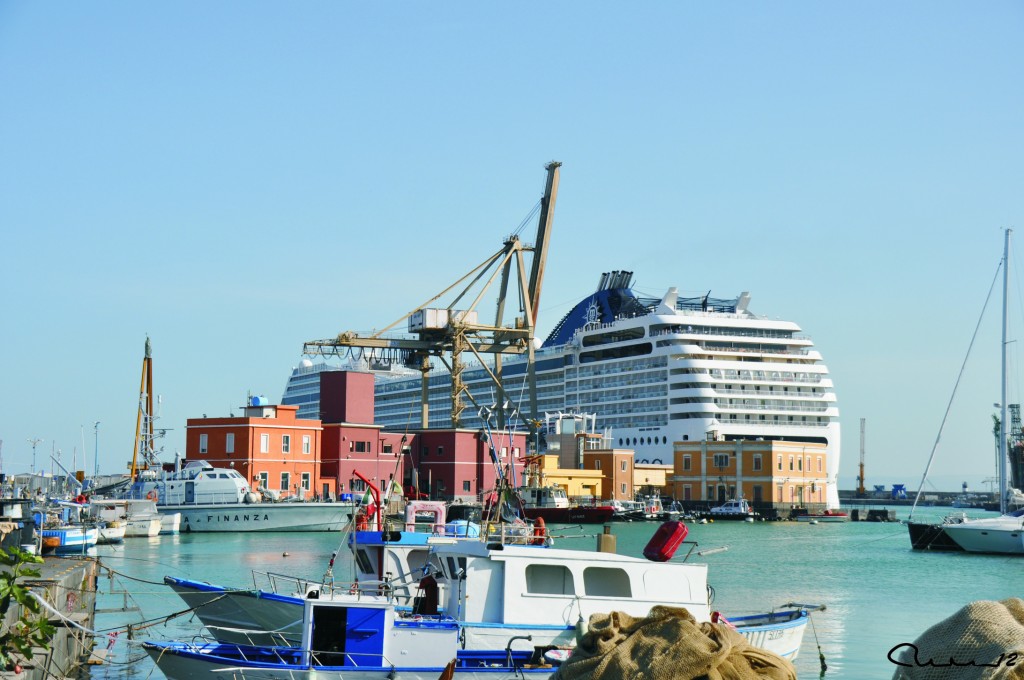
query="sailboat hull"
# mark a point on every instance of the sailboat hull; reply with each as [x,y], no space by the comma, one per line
[999,535]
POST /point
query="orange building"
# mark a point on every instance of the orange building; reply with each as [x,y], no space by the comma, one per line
[783,475]
[616,466]
[267,445]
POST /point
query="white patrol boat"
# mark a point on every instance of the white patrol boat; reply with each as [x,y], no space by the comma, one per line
[219,499]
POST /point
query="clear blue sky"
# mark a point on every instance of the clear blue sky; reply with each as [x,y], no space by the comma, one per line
[236,178]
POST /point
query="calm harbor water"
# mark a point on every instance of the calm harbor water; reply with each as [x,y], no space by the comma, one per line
[877,591]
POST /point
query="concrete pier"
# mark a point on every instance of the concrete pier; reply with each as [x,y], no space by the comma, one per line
[69,586]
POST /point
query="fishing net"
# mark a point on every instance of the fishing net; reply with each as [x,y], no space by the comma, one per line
[668,645]
[982,641]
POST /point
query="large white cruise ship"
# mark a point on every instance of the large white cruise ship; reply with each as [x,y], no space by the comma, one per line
[654,371]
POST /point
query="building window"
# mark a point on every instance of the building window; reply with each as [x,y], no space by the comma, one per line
[780,463]
[305,481]
[721,460]
[440,450]
[504,452]
[305,444]
[264,443]
[623,466]
[597,464]
[686,463]
[791,463]
[799,464]
[286,443]
[286,481]
[623,487]
[819,463]
[465,485]
[515,451]
[229,443]
[687,492]
[424,451]
[264,480]
[387,448]
[362,447]
[203,443]
[807,465]
[757,462]
[711,492]
[357,485]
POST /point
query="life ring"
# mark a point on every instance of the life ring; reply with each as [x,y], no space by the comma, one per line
[539,531]
[152,495]
[81,499]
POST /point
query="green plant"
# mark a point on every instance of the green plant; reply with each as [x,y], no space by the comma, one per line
[31,629]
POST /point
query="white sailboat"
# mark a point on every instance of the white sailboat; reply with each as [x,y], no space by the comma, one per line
[1003,534]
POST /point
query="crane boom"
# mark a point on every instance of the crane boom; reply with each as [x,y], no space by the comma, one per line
[540,248]
[459,330]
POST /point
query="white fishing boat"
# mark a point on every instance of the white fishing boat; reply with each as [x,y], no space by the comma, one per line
[353,640]
[110,532]
[139,516]
[219,499]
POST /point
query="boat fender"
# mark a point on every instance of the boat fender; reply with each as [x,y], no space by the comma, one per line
[581,629]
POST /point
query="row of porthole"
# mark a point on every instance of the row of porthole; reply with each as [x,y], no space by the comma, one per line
[626,442]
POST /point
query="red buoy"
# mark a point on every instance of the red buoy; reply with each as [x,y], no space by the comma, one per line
[666,541]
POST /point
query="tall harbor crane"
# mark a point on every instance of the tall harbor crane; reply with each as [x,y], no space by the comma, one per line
[449,332]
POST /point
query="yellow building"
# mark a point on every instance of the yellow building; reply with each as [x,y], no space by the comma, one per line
[543,470]
[779,474]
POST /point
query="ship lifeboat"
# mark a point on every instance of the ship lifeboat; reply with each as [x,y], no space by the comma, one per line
[666,541]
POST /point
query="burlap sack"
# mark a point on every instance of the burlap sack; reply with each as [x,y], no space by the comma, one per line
[668,645]
[982,641]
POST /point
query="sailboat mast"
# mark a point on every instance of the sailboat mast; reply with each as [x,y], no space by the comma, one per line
[1002,401]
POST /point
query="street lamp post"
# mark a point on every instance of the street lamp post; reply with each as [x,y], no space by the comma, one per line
[96,461]
[34,442]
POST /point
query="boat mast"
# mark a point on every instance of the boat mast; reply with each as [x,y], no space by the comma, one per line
[1002,402]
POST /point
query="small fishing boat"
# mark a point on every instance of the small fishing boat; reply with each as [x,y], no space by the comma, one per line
[354,640]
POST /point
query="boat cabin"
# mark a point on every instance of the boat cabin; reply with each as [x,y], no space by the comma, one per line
[544,497]
[550,589]
[198,483]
